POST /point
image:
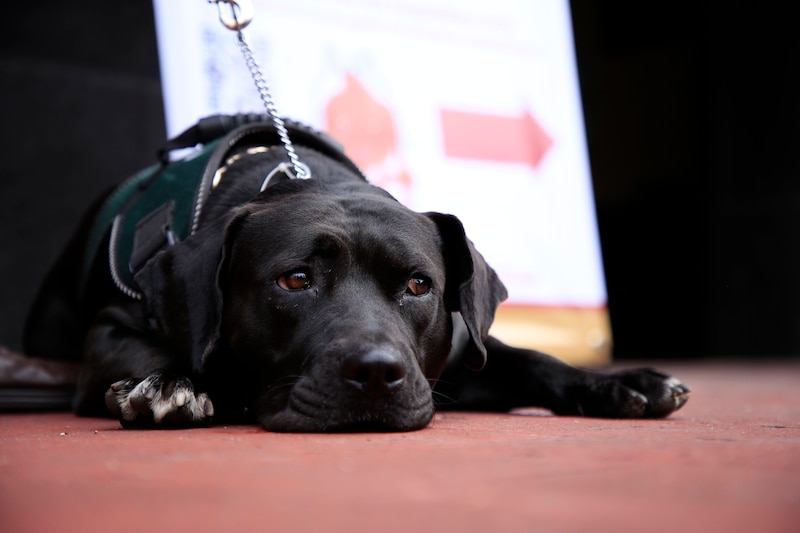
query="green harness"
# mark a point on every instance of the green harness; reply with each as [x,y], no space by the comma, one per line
[161,205]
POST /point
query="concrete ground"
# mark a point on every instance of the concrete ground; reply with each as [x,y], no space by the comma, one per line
[728,461]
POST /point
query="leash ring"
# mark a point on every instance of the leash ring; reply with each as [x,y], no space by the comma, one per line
[234,20]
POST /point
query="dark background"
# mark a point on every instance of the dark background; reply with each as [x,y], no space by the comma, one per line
[692,122]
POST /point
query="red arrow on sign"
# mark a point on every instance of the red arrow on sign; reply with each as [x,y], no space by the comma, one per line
[494,138]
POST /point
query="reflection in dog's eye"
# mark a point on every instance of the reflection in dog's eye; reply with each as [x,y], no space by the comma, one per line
[295,280]
[418,285]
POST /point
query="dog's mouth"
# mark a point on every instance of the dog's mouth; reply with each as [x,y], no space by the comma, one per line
[292,422]
[367,427]
[307,410]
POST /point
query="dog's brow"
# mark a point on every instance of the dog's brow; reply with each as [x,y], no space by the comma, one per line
[327,244]
[397,254]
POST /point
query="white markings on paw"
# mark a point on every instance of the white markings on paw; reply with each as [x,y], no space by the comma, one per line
[639,396]
[639,401]
[149,393]
[677,391]
[182,397]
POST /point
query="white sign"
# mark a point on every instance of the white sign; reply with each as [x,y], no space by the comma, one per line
[460,106]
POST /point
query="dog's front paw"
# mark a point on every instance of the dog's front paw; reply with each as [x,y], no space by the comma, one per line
[159,400]
[654,394]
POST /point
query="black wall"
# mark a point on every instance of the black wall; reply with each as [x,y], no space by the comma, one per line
[692,123]
[81,107]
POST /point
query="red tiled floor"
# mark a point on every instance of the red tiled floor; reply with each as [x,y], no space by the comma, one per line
[729,461]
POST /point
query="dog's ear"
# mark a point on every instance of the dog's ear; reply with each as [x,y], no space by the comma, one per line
[472,286]
[182,289]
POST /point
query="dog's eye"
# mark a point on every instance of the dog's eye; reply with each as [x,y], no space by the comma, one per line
[295,280]
[418,285]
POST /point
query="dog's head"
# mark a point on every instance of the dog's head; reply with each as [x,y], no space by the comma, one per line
[330,306]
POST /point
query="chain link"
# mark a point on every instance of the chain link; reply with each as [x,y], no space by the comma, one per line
[300,169]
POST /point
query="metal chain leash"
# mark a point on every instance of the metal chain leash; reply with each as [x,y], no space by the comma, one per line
[241,14]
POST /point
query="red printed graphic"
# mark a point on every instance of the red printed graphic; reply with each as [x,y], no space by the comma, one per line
[367,129]
[504,139]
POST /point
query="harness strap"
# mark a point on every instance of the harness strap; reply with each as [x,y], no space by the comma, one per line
[163,204]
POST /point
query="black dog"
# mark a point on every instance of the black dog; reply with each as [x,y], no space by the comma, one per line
[311,305]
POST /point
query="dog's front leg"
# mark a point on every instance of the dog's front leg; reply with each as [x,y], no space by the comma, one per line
[515,377]
[128,374]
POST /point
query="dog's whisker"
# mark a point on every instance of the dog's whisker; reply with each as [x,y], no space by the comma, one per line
[443,399]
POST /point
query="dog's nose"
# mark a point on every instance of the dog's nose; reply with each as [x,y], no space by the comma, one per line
[376,373]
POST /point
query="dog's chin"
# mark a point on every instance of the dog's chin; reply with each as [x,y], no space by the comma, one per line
[396,420]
